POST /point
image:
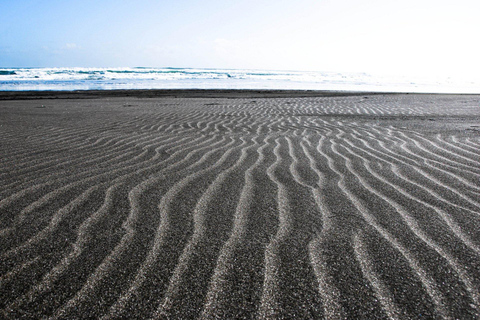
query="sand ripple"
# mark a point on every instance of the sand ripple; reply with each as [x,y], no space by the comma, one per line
[342,207]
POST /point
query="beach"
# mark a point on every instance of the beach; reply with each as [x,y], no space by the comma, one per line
[239,204]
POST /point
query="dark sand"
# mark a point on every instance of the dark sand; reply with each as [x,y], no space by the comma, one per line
[239,204]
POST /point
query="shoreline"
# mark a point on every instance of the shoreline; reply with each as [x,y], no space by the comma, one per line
[197,93]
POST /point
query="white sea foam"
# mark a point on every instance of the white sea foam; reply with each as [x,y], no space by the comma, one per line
[20,79]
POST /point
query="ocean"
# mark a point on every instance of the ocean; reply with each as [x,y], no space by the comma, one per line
[65,79]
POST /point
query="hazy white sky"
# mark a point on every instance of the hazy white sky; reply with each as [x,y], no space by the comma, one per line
[420,37]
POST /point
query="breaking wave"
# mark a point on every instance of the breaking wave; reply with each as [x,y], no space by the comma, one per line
[22,79]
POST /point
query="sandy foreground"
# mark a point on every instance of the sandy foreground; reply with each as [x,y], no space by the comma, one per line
[239,205]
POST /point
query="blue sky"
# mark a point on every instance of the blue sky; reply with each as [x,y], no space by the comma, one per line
[421,37]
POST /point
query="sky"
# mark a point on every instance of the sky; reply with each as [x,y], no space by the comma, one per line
[409,37]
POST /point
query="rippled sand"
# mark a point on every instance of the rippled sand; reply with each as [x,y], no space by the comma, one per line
[223,205]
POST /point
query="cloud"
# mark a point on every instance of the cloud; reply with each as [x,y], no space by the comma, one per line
[160,50]
[71,46]
[241,52]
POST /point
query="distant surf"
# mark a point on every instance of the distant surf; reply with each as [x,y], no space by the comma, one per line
[25,79]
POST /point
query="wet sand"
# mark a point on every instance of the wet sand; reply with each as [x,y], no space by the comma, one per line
[217,204]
